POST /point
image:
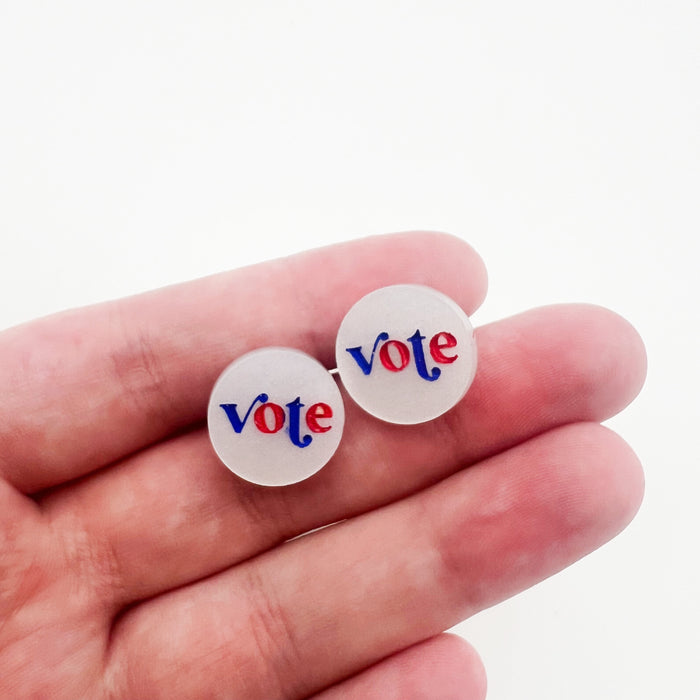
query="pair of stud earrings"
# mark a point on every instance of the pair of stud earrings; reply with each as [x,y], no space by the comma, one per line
[406,354]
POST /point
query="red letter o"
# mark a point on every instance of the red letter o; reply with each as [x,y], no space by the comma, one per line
[277,414]
[388,360]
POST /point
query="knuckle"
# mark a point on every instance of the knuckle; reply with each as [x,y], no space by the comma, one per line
[91,563]
[273,634]
[137,366]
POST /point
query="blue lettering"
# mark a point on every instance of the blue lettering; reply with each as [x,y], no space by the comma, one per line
[416,341]
[294,423]
[357,355]
[232,412]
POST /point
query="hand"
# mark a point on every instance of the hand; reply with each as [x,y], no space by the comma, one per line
[134,565]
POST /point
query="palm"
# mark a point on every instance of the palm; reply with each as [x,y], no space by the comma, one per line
[133,565]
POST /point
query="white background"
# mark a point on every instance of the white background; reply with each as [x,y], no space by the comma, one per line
[146,142]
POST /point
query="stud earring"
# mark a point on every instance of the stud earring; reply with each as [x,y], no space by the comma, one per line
[405,354]
[275,416]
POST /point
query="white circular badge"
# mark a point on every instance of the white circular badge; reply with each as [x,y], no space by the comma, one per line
[406,353]
[275,416]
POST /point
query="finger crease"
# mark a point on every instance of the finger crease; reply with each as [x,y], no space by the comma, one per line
[274,637]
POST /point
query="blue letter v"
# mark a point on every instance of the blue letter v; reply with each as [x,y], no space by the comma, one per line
[357,355]
[232,412]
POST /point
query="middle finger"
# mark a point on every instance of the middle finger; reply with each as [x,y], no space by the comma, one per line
[173,514]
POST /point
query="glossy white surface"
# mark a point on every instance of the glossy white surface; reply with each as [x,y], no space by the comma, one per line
[395,378]
[264,448]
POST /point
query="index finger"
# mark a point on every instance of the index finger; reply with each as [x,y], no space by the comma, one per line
[87,387]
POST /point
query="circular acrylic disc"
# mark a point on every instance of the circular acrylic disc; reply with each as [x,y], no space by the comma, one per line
[275,416]
[406,353]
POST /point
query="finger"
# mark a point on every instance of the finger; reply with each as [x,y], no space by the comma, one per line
[442,668]
[342,598]
[22,539]
[175,514]
[85,388]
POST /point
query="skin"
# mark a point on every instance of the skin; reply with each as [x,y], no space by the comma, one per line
[134,565]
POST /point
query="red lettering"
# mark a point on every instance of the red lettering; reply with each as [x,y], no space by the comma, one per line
[316,412]
[387,359]
[261,421]
[437,345]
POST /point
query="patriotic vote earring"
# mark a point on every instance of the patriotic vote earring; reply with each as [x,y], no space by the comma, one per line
[406,354]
